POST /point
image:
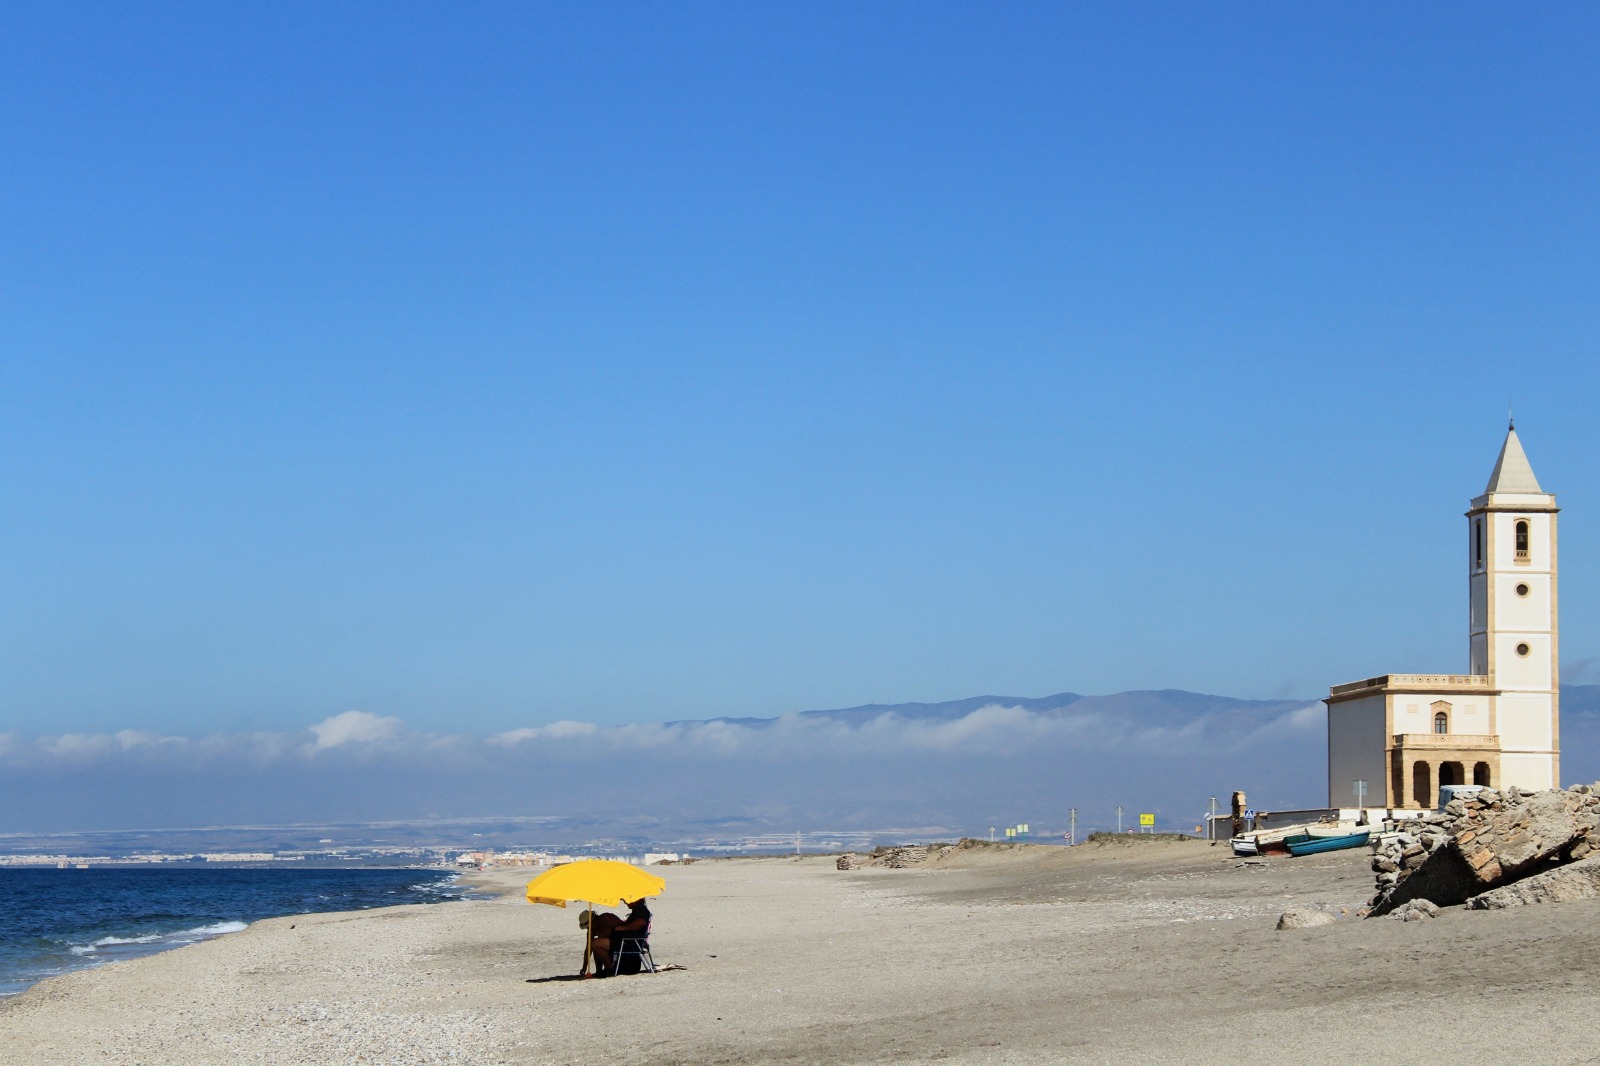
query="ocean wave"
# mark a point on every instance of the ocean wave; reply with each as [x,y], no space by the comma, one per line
[182,936]
[51,924]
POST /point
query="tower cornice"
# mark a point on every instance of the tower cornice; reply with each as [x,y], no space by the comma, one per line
[1512,501]
[1541,502]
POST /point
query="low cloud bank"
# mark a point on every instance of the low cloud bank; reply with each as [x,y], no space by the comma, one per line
[962,767]
[986,764]
[988,731]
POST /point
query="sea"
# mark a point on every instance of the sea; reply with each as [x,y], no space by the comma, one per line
[54,920]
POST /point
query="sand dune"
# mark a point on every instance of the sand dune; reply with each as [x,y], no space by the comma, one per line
[1150,952]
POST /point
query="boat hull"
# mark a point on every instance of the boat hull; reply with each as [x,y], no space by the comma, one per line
[1317,845]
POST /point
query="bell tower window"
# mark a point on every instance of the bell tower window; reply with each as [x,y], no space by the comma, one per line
[1477,551]
[1522,540]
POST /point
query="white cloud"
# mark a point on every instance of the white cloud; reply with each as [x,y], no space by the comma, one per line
[77,746]
[993,730]
[128,739]
[355,727]
[1311,719]
[563,730]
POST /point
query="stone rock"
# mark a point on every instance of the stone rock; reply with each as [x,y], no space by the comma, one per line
[1494,838]
[1305,918]
[1416,911]
[1573,881]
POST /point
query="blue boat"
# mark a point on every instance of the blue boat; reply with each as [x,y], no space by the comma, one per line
[1317,845]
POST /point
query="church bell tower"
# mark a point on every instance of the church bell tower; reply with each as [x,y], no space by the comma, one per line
[1398,738]
[1511,532]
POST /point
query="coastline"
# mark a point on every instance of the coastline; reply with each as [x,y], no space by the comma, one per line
[57,921]
[1162,952]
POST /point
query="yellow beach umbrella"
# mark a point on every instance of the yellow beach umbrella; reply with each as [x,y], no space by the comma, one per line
[592,881]
[603,882]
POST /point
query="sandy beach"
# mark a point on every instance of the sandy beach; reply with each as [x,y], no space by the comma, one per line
[1149,952]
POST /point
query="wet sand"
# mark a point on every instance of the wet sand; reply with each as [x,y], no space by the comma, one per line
[1149,952]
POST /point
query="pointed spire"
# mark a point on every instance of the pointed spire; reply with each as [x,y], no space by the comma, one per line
[1512,473]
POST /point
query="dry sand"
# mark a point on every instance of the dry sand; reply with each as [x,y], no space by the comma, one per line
[1149,952]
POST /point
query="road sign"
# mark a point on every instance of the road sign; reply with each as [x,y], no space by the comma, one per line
[1147,819]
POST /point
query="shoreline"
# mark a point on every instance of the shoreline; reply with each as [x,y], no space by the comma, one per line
[177,909]
[1157,953]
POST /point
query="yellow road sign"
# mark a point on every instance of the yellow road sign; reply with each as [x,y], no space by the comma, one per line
[1147,819]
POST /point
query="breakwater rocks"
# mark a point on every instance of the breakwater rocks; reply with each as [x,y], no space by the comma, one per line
[1480,845]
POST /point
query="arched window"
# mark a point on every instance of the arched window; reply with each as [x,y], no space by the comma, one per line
[1477,551]
[1522,540]
[1441,723]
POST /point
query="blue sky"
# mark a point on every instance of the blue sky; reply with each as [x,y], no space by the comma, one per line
[482,369]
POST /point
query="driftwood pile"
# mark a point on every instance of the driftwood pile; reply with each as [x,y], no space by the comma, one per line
[1495,848]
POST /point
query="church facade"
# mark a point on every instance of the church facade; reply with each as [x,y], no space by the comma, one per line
[1393,740]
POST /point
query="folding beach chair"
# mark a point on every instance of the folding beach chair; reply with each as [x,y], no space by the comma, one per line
[634,946]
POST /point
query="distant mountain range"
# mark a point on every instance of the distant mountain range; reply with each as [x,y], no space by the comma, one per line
[1168,708]
[1161,708]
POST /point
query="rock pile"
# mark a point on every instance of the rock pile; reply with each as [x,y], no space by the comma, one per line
[900,858]
[847,862]
[1482,841]
[1578,880]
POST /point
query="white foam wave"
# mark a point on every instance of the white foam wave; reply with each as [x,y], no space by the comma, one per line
[216,929]
[183,936]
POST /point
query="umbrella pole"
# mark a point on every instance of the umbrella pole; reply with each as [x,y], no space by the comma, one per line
[588,942]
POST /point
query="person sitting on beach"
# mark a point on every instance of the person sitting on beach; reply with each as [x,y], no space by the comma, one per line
[607,928]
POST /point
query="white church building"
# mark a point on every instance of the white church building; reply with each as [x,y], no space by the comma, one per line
[1393,740]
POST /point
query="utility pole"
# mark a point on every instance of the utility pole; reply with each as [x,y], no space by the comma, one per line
[1211,822]
[1072,822]
[1119,819]
[991,834]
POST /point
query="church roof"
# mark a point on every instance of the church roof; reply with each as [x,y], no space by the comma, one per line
[1511,471]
